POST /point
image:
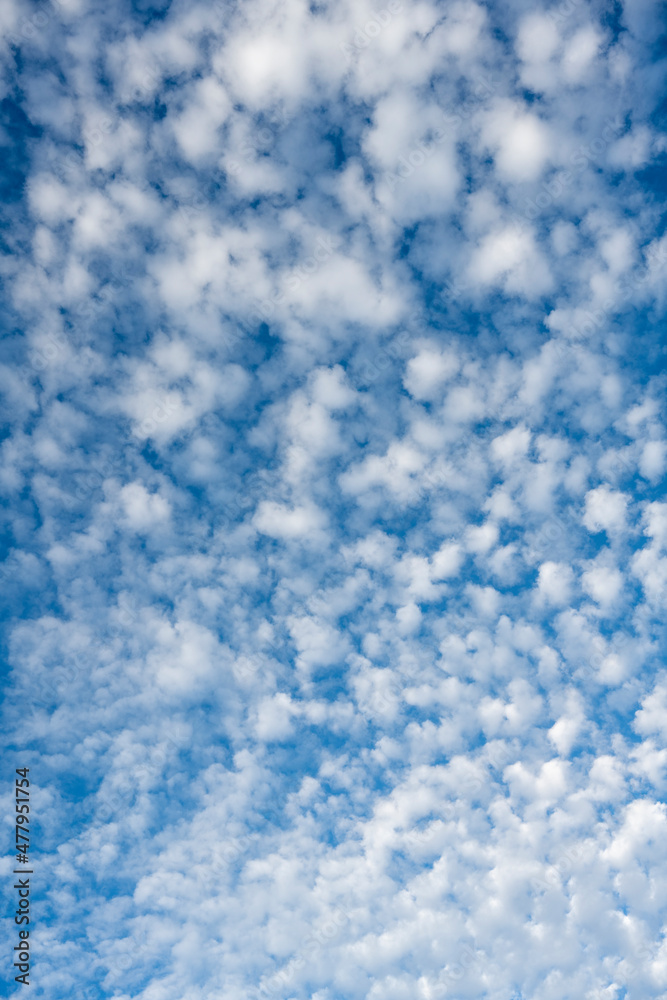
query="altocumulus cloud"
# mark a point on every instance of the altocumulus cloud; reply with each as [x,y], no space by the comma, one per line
[333,467]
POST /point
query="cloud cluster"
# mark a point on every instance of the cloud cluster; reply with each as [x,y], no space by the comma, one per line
[335,540]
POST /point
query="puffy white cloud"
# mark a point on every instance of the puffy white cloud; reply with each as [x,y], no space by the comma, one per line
[409,618]
[428,371]
[510,447]
[185,656]
[555,582]
[446,562]
[481,538]
[520,140]
[538,38]
[142,510]
[605,509]
[274,718]
[509,258]
[317,643]
[653,460]
[604,583]
[565,731]
[655,517]
[196,126]
[651,717]
[280,521]
[579,52]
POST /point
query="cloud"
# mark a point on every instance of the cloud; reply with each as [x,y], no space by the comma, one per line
[142,510]
[521,141]
[555,583]
[427,372]
[280,521]
[605,509]
[334,564]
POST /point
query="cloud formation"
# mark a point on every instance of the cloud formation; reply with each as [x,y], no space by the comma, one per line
[333,475]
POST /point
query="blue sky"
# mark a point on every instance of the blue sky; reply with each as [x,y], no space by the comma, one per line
[333,466]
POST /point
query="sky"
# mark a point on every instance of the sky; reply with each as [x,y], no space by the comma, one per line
[334,538]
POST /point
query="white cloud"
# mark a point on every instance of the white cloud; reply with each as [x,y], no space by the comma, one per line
[428,371]
[274,718]
[555,582]
[446,562]
[603,583]
[318,644]
[520,140]
[143,510]
[605,509]
[509,258]
[409,618]
[653,460]
[580,50]
[509,448]
[480,539]
[280,521]
[567,728]
[196,126]
[655,518]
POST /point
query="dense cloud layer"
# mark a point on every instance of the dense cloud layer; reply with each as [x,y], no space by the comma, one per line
[336,540]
